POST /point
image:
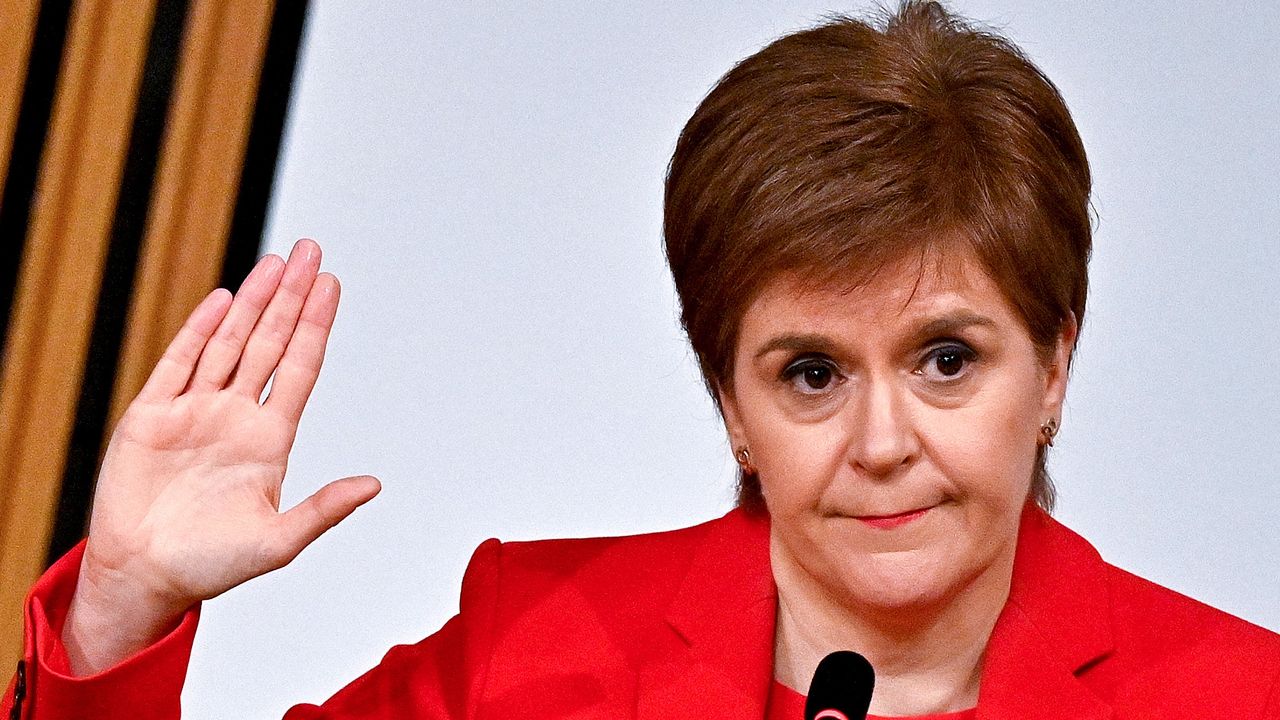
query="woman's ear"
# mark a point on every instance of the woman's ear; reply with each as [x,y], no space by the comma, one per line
[1058,370]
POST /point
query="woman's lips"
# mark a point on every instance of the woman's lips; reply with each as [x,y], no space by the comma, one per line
[886,522]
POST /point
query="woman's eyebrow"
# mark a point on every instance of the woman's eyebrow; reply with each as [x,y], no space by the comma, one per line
[946,324]
[797,342]
[954,322]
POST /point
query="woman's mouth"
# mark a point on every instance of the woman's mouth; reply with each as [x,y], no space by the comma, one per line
[887,522]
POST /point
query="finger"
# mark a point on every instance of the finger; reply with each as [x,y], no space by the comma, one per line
[271,335]
[300,366]
[223,349]
[174,369]
[311,518]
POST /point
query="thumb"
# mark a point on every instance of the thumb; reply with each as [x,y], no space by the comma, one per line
[311,518]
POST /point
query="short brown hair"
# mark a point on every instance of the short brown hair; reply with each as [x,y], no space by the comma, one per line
[839,148]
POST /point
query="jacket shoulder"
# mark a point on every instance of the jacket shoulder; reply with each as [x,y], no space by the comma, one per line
[1153,616]
[1167,643]
[568,622]
[1147,650]
[642,568]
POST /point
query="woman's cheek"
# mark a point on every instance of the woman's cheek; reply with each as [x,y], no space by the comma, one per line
[1006,437]
[798,462]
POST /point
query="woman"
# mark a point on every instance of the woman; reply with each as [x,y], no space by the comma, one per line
[879,238]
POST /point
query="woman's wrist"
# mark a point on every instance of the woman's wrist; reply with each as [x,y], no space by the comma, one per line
[111,617]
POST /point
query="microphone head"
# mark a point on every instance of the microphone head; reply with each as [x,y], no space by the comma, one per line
[841,688]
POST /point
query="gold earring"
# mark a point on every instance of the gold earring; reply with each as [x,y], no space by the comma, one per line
[744,459]
[1048,431]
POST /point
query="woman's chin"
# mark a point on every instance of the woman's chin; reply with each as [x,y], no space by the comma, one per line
[909,581]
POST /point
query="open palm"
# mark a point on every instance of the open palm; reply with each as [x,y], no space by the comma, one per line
[187,502]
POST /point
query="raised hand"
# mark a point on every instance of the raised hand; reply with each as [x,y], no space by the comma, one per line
[187,501]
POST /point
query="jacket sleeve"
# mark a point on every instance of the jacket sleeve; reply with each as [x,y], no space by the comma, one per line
[146,686]
[439,677]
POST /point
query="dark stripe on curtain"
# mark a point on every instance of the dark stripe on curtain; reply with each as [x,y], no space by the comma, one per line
[30,129]
[262,151]
[127,230]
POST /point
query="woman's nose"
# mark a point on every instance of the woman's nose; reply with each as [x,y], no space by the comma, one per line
[882,435]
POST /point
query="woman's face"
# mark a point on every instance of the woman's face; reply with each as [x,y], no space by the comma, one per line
[894,428]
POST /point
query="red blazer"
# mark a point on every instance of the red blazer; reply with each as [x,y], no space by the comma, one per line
[680,624]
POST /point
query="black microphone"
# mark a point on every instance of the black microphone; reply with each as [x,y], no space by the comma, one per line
[841,688]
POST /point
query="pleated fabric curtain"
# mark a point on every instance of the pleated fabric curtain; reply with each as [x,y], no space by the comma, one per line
[138,141]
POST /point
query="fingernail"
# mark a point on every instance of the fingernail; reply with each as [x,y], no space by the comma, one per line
[269,266]
[306,249]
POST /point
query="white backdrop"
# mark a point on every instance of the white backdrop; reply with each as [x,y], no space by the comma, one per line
[487,184]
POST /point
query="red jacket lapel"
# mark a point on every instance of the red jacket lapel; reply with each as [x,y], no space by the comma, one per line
[724,612]
[1056,622]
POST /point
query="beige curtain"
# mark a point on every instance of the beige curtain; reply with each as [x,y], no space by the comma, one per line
[69,233]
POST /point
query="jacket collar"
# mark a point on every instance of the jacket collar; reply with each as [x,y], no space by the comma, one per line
[1055,623]
[724,612]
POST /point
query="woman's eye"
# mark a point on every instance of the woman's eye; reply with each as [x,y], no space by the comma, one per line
[948,362]
[811,376]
